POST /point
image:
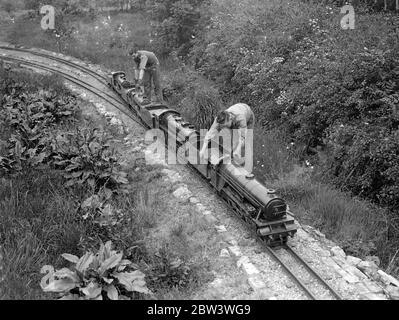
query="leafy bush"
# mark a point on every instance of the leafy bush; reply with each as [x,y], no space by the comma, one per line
[27,120]
[198,101]
[169,271]
[88,159]
[176,24]
[103,275]
[306,77]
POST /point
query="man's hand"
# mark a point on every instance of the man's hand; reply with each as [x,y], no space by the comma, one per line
[237,156]
[237,151]
[203,154]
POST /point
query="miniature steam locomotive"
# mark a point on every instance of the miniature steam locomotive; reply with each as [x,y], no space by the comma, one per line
[257,205]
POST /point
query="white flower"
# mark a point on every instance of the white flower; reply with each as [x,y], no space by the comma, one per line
[277,60]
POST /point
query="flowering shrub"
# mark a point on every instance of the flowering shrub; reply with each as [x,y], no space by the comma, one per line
[305,76]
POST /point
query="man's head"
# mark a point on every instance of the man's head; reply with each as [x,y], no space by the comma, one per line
[135,55]
[224,119]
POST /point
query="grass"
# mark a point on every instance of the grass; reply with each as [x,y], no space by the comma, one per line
[38,224]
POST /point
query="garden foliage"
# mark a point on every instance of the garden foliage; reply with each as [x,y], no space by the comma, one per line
[46,145]
[330,92]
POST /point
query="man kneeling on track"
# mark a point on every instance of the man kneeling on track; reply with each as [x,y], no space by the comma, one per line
[239,116]
[146,67]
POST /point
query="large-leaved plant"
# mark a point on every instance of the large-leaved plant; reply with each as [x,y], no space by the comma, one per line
[103,275]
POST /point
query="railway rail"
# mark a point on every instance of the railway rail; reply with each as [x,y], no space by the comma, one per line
[310,270]
[122,106]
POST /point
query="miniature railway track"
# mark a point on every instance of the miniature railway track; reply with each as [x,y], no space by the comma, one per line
[303,263]
[122,106]
[112,100]
[94,74]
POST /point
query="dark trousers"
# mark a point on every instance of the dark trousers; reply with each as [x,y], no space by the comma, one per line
[152,77]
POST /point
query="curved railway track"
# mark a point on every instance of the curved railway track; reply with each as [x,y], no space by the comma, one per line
[123,107]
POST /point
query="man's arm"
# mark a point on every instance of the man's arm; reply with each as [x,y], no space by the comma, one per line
[213,131]
[242,132]
[143,63]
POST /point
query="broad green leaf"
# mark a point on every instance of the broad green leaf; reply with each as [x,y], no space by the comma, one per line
[93,202]
[112,292]
[66,273]
[62,285]
[70,257]
[127,278]
[84,262]
[107,249]
[140,286]
[92,291]
[123,264]
[110,262]
[107,280]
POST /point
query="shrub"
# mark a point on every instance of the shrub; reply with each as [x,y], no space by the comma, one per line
[196,98]
[305,77]
[169,271]
[88,159]
[27,119]
[176,24]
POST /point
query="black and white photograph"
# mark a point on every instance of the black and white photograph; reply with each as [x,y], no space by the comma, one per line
[199,157]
